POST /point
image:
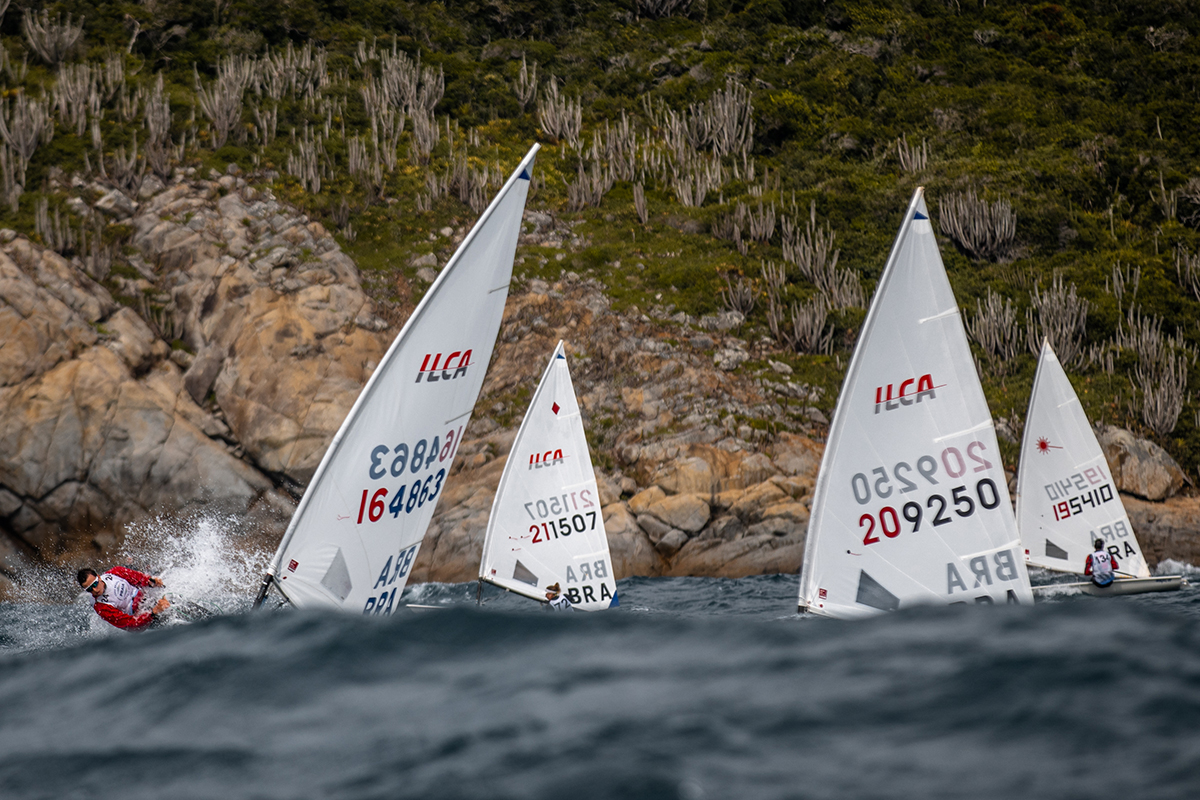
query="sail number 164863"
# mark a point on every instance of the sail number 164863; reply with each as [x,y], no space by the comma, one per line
[419,493]
[421,456]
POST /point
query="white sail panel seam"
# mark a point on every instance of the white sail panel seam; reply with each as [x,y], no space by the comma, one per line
[982,426]
[950,312]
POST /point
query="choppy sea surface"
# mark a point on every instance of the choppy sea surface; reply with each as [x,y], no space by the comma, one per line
[694,688]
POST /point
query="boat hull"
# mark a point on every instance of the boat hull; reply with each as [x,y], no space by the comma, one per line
[1121,586]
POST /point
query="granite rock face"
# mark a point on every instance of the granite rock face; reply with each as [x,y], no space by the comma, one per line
[97,428]
[104,422]
[284,335]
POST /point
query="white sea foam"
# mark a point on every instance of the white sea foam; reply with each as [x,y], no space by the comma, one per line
[1170,566]
[204,559]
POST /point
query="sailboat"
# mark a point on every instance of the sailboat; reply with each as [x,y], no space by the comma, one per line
[911,506]
[546,526]
[1066,498]
[352,541]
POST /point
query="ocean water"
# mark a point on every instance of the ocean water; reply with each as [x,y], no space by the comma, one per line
[694,688]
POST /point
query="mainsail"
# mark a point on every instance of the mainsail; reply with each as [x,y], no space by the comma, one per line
[911,506]
[546,525]
[353,539]
[1066,498]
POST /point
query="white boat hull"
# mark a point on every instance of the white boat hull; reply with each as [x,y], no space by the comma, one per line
[1160,583]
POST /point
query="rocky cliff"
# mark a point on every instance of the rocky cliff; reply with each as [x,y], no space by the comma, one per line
[208,365]
[205,370]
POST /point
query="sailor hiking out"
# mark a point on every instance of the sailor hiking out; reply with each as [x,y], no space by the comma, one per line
[1101,565]
[117,596]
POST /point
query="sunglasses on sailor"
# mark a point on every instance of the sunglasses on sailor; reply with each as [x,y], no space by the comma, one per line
[91,586]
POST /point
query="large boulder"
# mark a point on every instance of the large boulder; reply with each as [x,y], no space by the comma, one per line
[751,503]
[1169,529]
[640,503]
[796,455]
[1139,466]
[708,470]
[632,552]
[685,512]
[692,475]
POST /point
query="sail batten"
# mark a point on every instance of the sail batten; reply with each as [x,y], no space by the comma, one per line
[911,505]
[546,525]
[1066,497]
[356,532]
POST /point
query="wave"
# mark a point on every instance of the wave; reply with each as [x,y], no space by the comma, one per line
[684,692]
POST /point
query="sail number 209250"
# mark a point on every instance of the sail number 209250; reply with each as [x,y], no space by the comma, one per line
[962,500]
[405,462]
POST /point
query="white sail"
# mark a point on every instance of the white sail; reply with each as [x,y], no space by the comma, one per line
[546,526]
[1066,498]
[911,506]
[355,535]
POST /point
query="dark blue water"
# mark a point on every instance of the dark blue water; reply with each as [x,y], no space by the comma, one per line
[695,688]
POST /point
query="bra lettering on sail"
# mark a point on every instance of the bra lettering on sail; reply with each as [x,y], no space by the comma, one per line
[906,396]
[586,572]
[459,360]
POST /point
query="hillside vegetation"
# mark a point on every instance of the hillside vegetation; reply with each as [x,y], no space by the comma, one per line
[698,157]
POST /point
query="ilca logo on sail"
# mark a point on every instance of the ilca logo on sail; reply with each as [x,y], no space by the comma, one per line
[440,370]
[906,396]
[546,459]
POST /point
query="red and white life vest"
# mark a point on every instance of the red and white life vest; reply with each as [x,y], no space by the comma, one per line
[119,593]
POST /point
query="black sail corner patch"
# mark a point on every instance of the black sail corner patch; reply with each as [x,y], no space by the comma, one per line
[1054,551]
[522,573]
[871,593]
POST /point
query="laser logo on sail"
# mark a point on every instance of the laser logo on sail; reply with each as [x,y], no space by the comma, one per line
[435,368]
[546,459]
[893,398]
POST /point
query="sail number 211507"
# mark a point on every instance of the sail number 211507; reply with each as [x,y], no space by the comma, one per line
[575,516]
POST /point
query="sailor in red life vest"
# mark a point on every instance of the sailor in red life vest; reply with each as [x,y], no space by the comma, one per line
[556,600]
[1101,565]
[117,594]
